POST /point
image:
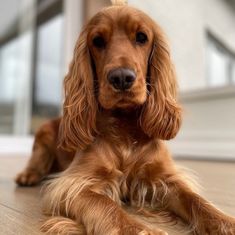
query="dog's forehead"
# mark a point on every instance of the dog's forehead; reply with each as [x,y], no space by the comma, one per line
[121,16]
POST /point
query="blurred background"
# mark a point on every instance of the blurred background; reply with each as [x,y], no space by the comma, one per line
[37,38]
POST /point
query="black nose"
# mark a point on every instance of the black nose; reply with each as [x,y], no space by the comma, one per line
[121,78]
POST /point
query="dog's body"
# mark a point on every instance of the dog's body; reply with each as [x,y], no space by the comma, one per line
[120,104]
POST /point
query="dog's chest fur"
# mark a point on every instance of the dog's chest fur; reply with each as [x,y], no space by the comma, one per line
[133,167]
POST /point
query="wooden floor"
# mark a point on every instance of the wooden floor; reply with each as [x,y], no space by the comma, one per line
[20,207]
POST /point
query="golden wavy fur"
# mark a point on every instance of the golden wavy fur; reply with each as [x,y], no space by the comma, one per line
[117,137]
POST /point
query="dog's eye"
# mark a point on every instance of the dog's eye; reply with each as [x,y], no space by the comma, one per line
[99,42]
[141,38]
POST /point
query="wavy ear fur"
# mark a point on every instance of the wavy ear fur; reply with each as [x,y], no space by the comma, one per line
[161,114]
[78,125]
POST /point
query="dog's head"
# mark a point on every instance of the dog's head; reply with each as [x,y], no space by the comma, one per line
[121,61]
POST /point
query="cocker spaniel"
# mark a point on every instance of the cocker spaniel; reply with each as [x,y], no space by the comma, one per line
[120,105]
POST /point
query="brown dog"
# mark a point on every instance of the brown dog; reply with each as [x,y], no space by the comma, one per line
[120,104]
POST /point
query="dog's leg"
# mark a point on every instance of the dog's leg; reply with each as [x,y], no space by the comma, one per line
[89,193]
[203,217]
[38,166]
[101,215]
[161,184]
[43,155]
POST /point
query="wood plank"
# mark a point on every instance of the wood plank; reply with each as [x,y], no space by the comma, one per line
[13,222]
[20,207]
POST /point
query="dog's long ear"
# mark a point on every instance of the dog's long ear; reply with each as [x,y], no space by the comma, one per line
[78,125]
[161,114]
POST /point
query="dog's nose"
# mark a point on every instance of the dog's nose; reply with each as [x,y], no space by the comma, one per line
[121,78]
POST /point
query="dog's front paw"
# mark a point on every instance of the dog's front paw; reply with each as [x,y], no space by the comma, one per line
[28,178]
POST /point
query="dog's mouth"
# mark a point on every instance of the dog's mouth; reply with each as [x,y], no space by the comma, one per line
[128,99]
[124,103]
[121,100]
